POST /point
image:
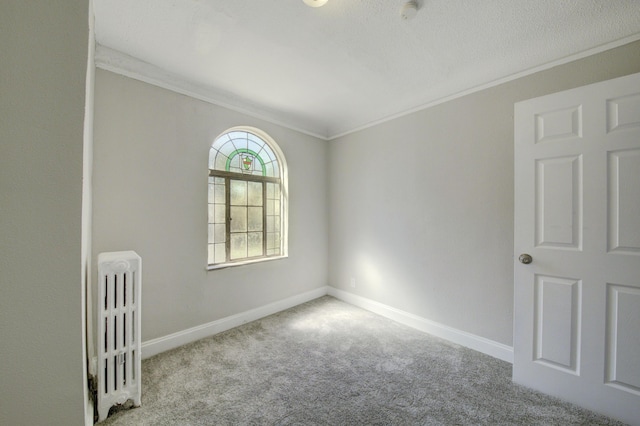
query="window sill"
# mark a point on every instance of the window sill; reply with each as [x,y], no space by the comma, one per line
[245,262]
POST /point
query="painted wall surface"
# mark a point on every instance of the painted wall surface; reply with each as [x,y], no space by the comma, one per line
[421,207]
[150,173]
[43,48]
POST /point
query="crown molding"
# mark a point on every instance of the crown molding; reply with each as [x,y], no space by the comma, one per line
[120,63]
[497,82]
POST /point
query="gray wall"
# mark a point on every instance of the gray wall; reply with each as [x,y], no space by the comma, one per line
[151,149]
[421,207]
[43,49]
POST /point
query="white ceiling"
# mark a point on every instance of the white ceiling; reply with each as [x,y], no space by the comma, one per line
[328,71]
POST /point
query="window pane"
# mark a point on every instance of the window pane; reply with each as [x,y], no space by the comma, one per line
[211,233]
[234,165]
[211,254]
[227,149]
[255,219]
[220,213]
[238,246]
[219,233]
[267,154]
[212,211]
[211,197]
[238,219]
[239,139]
[220,194]
[253,146]
[270,207]
[238,193]
[221,162]
[271,227]
[255,138]
[212,158]
[255,244]
[273,240]
[268,170]
[257,169]
[276,207]
[255,193]
[220,253]
[270,190]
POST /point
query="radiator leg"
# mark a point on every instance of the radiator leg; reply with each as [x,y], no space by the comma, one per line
[103,412]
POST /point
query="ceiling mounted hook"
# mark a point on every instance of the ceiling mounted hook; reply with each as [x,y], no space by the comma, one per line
[409,10]
[315,3]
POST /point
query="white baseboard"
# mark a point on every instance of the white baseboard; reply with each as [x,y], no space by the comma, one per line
[155,346]
[480,344]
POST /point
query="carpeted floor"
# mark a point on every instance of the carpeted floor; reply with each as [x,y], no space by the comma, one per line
[329,363]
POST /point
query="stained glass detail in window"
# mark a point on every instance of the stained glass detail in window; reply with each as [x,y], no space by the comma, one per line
[243,152]
[245,199]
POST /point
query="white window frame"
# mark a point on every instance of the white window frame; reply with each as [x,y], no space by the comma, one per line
[284,197]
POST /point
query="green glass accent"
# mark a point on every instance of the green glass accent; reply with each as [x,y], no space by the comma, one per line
[246,151]
[247,161]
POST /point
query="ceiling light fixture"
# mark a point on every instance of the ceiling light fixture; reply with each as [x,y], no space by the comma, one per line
[408,10]
[315,3]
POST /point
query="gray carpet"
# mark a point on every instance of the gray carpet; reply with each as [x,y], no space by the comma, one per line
[329,363]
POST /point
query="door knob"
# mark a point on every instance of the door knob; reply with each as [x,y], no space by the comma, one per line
[525,258]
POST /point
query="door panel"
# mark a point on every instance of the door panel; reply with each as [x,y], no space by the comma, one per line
[577,213]
[559,202]
[559,125]
[623,113]
[557,322]
[624,203]
[623,337]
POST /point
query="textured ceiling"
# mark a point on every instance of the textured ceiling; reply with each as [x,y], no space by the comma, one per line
[351,63]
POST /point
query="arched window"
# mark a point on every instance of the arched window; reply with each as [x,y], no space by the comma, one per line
[247,198]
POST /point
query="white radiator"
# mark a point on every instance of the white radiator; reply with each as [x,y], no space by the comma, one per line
[118,317]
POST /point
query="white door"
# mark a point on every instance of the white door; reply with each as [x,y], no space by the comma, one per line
[577,215]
